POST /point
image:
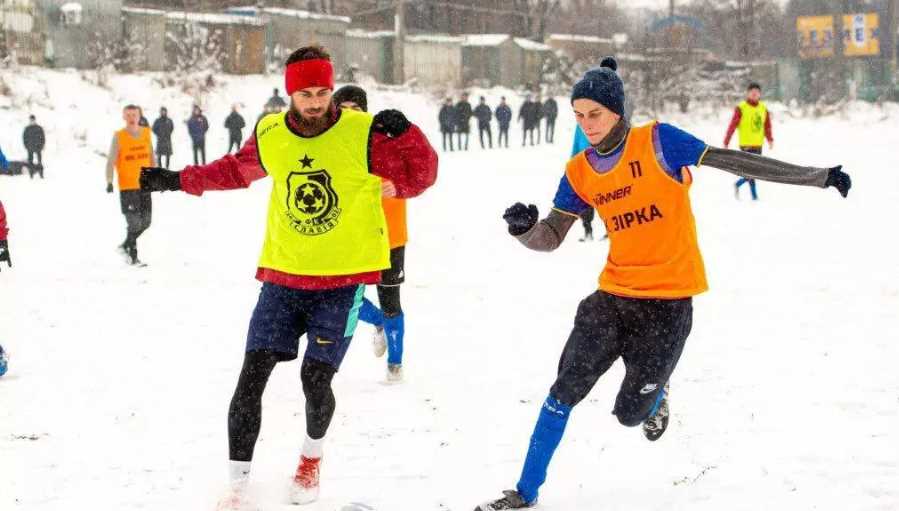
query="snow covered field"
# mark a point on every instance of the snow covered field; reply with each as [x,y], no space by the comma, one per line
[787,396]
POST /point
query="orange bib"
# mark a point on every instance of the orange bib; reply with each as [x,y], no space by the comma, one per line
[395,211]
[134,153]
[653,252]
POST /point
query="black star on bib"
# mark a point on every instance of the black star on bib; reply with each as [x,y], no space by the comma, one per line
[307,161]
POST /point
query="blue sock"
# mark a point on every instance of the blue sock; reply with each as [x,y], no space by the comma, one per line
[371,314]
[395,329]
[546,437]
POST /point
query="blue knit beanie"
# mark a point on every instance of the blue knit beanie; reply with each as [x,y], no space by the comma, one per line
[603,85]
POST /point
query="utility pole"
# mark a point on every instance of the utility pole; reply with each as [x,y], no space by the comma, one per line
[399,42]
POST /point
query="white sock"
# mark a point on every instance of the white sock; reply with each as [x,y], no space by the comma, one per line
[239,472]
[313,448]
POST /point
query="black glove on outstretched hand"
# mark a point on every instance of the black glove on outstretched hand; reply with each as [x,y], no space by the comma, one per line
[392,123]
[108,187]
[839,180]
[521,218]
[158,179]
[4,252]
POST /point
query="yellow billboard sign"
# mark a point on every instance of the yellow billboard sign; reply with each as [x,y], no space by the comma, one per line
[861,36]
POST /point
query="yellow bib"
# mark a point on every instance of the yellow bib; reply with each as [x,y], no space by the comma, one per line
[325,216]
[752,124]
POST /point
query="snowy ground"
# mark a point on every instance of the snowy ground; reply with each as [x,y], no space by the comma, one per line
[786,397]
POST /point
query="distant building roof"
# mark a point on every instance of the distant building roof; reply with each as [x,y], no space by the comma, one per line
[141,10]
[432,38]
[365,34]
[485,39]
[527,44]
[214,19]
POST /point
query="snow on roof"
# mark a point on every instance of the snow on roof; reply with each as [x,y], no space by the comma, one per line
[141,10]
[365,34]
[71,7]
[527,44]
[431,38]
[485,40]
[292,13]
[214,19]
[577,38]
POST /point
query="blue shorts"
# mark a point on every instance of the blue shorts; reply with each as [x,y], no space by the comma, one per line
[327,317]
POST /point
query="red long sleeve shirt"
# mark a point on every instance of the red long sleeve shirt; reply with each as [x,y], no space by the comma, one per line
[735,121]
[4,230]
[408,161]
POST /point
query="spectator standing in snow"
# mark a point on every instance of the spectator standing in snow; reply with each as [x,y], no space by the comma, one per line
[537,112]
[143,122]
[235,124]
[463,120]
[197,126]
[550,112]
[447,118]
[275,103]
[34,139]
[526,118]
[483,114]
[163,128]
[503,118]
[4,164]
[4,244]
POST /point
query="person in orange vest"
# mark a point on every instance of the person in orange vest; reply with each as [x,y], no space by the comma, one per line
[131,149]
[389,320]
[637,178]
[753,120]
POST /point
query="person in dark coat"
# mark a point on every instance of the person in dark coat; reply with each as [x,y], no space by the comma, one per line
[447,118]
[235,124]
[463,119]
[537,112]
[550,112]
[275,103]
[143,120]
[526,119]
[504,119]
[34,139]
[483,114]
[197,126]
[163,128]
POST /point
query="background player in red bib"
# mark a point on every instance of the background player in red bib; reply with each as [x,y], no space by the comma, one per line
[638,181]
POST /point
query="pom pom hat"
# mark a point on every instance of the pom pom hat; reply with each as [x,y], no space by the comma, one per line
[603,85]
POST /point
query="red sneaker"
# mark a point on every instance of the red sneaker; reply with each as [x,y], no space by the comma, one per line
[305,483]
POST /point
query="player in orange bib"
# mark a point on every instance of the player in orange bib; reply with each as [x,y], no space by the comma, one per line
[638,180]
[389,320]
[131,149]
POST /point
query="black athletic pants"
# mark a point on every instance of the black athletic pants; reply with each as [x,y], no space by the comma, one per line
[503,135]
[448,136]
[587,219]
[32,155]
[200,147]
[245,412]
[137,206]
[489,131]
[460,140]
[648,334]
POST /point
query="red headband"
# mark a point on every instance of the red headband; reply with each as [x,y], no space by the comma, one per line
[308,73]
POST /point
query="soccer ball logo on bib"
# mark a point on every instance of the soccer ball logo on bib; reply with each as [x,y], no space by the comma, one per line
[312,203]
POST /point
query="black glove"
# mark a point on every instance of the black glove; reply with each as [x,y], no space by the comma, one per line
[108,187]
[839,180]
[157,179]
[4,252]
[391,122]
[521,218]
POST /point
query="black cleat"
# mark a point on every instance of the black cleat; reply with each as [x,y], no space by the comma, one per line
[655,426]
[512,500]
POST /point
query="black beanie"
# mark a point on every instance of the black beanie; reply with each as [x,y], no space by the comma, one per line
[603,85]
[351,93]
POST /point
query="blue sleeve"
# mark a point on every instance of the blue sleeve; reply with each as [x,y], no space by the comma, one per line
[580,141]
[3,163]
[680,148]
[568,201]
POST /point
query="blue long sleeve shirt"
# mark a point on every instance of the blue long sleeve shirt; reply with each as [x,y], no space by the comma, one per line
[3,163]
[674,148]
